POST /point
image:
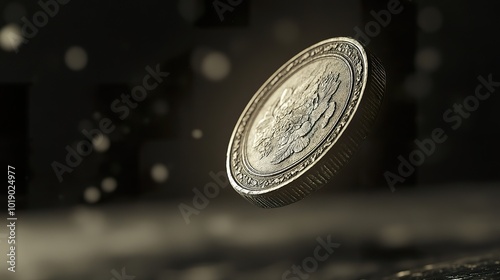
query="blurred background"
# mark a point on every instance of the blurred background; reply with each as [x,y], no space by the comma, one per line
[114,111]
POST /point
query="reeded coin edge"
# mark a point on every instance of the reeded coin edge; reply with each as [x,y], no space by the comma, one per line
[318,168]
[356,57]
[338,156]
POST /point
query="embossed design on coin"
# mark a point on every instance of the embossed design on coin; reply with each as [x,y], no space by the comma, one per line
[288,123]
[305,122]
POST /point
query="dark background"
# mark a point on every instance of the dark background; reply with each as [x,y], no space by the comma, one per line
[433,53]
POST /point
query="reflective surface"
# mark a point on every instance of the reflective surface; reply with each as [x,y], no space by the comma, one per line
[305,122]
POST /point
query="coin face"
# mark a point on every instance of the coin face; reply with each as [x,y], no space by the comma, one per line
[305,122]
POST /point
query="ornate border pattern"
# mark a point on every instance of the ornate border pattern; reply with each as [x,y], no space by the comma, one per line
[251,182]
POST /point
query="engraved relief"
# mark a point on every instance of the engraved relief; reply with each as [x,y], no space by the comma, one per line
[290,121]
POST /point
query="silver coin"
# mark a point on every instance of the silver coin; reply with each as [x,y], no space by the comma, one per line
[305,122]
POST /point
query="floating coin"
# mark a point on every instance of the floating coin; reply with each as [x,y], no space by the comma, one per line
[305,122]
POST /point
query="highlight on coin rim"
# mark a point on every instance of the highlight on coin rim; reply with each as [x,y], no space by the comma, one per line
[273,190]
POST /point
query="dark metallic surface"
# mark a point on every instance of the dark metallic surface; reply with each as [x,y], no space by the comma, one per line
[485,267]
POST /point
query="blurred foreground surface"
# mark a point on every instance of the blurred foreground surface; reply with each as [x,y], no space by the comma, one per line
[484,267]
[232,239]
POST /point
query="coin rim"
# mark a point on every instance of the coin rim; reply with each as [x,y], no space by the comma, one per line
[280,194]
